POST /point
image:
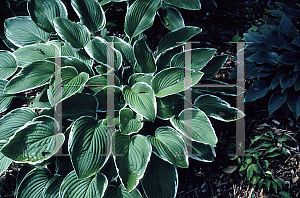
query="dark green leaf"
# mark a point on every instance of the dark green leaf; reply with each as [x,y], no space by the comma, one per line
[264,57]
[144,57]
[257,90]
[213,66]
[171,18]
[90,13]
[42,12]
[185,4]
[276,100]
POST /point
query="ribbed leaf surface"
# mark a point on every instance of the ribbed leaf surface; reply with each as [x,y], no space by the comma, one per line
[144,57]
[131,156]
[141,99]
[213,66]
[98,48]
[139,77]
[13,121]
[169,145]
[160,179]
[28,54]
[23,31]
[93,186]
[87,146]
[126,51]
[218,108]
[202,152]
[177,38]
[172,80]
[113,192]
[8,64]
[195,125]
[90,13]
[128,123]
[5,99]
[42,12]
[185,4]
[198,59]
[34,183]
[77,34]
[98,82]
[52,187]
[140,16]
[35,141]
[31,76]
[171,18]
[119,101]
[72,83]
[170,106]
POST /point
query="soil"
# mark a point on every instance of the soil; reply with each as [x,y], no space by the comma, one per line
[209,179]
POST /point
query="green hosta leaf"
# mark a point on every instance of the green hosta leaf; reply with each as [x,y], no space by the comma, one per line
[249,172]
[101,96]
[289,58]
[98,48]
[274,38]
[198,59]
[22,31]
[42,12]
[185,4]
[128,123]
[177,38]
[139,77]
[52,188]
[31,76]
[8,64]
[276,100]
[98,82]
[254,47]
[264,57]
[93,186]
[160,179]
[144,56]
[164,58]
[79,105]
[13,121]
[172,80]
[67,50]
[202,152]
[171,18]
[126,51]
[77,34]
[213,66]
[28,54]
[285,194]
[257,90]
[34,183]
[140,16]
[39,134]
[170,106]
[293,102]
[169,145]
[74,62]
[141,99]
[113,192]
[5,99]
[4,162]
[195,125]
[286,26]
[72,83]
[131,156]
[90,13]
[217,108]
[87,146]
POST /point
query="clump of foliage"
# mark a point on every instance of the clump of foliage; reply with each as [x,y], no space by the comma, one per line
[274,58]
[256,165]
[151,128]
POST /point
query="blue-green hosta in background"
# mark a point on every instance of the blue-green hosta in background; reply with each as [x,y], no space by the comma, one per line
[274,56]
[147,87]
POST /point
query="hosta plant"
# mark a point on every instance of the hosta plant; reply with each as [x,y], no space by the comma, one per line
[99,155]
[274,56]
